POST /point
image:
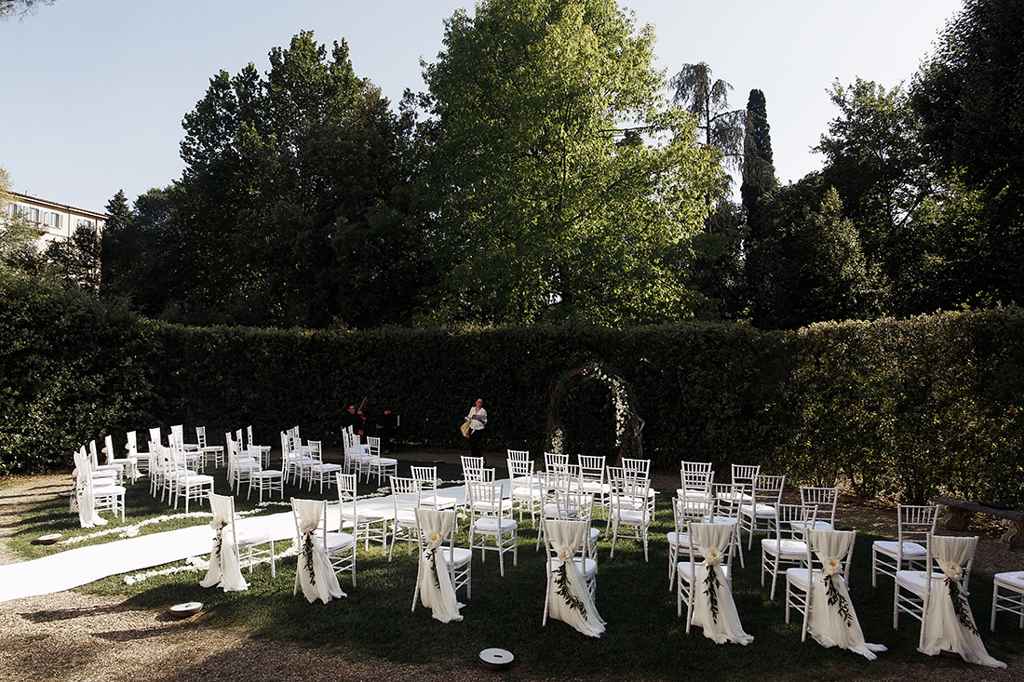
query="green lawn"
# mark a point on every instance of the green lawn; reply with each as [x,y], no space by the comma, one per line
[644,638]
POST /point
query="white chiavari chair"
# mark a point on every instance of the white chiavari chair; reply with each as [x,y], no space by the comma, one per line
[758,515]
[490,521]
[824,501]
[914,524]
[368,526]
[405,494]
[789,546]
[632,506]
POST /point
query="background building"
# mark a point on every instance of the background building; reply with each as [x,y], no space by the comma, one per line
[53,220]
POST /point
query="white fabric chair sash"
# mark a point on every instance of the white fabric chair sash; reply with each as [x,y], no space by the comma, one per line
[435,582]
[827,624]
[87,515]
[712,539]
[566,537]
[316,575]
[943,629]
[224,569]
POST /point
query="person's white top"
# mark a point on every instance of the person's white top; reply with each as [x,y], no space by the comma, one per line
[477,418]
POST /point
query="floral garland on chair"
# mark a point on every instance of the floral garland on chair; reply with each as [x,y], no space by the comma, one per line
[832,568]
[219,541]
[711,584]
[435,543]
[307,552]
[563,590]
[960,606]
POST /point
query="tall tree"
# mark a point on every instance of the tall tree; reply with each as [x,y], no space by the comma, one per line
[293,207]
[968,95]
[115,254]
[707,98]
[567,187]
[758,160]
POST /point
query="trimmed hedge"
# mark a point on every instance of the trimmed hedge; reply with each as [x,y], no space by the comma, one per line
[902,408]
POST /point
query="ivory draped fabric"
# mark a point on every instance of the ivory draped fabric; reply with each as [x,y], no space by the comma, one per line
[88,517]
[942,629]
[224,569]
[434,580]
[566,537]
[324,582]
[828,627]
[713,540]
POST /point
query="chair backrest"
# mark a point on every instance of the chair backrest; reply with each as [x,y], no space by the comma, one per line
[768,489]
[705,536]
[629,491]
[592,468]
[836,543]
[697,481]
[946,550]
[575,527]
[481,474]
[347,495]
[686,510]
[426,477]
[239,438]
[695,468]
[470,465]
[823,500]
[374,443]
[793,521]
[485,499]
[519,468]
[316,450]
[518,455]
[248,435]
[638,467]
[728,498]
[132,443]
[422,514]
[154,435]
[916,523]
[555,460]
[560,479]
[745,473]
[93,455]
[405,492]
[108,447]
[201,436]
[321,521]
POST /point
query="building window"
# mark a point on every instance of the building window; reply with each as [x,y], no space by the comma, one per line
[33,215]
[84,222]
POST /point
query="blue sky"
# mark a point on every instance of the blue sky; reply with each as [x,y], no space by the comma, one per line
[93,92]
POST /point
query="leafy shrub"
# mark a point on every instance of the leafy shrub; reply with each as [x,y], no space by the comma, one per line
[902,408]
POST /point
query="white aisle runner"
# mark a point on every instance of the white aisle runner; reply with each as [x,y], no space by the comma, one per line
[75,567]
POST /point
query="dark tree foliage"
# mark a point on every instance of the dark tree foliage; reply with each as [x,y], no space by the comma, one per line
[758,164]
[811,267]
[716,264]
[76,260]
[116,255]
[293,208]
[970,97]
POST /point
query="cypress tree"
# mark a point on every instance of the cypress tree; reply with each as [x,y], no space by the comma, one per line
[758,168]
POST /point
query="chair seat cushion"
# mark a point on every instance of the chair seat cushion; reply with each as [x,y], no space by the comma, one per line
[683,569]
[461,556]
[406,517]
[818,525]
[326,468]
[891,548]
[588,567]
[336,540]
[197,479]
[764,511]
[107,490]
[596,487]
[677,539]
[800,577]
[383,462]
[252,538]
[742,497]
[267,473]
[916,581]
[487,506]
[691,494]
[634,516]
[790,549]
[490,524]
[527,492]
[724,520]
[1012,579]
[438,502]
